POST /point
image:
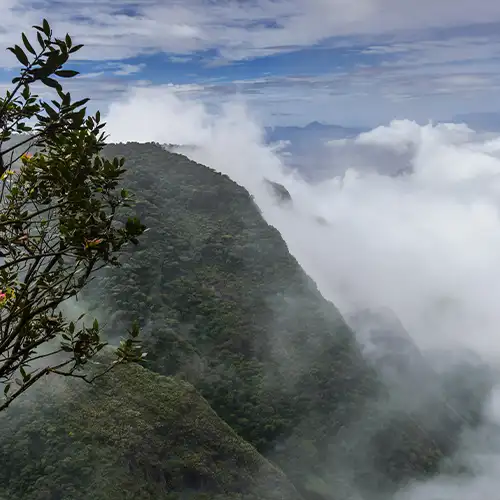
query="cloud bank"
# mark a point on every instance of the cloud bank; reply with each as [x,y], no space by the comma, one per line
[117,29]
[425,244]
[367,59]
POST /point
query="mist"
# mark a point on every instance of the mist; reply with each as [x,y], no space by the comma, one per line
[405,221]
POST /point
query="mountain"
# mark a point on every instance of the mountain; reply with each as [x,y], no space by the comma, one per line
[134,434]
[313,132]
[226,306]
[306,149]
[388,344]
[246,360]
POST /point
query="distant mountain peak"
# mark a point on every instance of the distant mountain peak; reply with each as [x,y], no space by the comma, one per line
[316,125]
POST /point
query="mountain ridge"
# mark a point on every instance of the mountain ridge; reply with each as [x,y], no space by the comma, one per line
[225,307]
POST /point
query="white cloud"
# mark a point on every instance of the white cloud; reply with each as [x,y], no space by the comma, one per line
[425,245]
[417,75]
[366,95]
[129,69]
[405,242]
[237,29]
[180,59]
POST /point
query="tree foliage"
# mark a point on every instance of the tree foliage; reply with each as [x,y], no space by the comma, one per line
[59,222]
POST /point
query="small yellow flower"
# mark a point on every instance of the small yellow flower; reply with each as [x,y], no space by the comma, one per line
[7,174]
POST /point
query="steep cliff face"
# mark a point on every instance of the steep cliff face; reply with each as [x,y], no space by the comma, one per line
[134,435]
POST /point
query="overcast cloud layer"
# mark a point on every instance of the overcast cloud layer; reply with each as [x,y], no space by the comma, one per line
[356,62]
[120,28]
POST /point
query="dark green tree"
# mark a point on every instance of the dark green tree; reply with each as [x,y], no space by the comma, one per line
[60,221]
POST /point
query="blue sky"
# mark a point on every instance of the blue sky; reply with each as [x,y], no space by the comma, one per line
[352,62]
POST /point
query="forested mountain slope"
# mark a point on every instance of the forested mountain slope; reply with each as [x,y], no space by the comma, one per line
[134,435]
[223,305]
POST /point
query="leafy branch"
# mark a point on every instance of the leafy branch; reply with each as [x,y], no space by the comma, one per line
[59,221]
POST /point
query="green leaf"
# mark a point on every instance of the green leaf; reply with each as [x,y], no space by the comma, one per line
[50,82]
[134,332]
[77,104]
[68,40]
[46,27]
[41,41]
[50,111]
[71,328]
[6,389]
[54,62]
[20,54]
[67,73]
[78,117]
[75,48]
[96,324]
[28,45]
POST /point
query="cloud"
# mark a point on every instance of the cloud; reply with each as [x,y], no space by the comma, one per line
[180,59]
[364,95]
[116,30]
[129,69]
[406,242]
[425,244]
[386,59]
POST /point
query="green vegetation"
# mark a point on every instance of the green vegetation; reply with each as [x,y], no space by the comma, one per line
[132,434]
[216,288]
[58,223]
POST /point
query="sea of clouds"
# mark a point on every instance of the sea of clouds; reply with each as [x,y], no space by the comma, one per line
[407,219]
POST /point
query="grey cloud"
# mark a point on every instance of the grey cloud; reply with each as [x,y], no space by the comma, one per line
[238,30]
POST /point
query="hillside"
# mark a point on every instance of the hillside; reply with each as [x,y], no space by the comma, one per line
[135,434]
[230,309]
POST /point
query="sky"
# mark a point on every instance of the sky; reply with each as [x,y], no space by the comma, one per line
[349,62]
